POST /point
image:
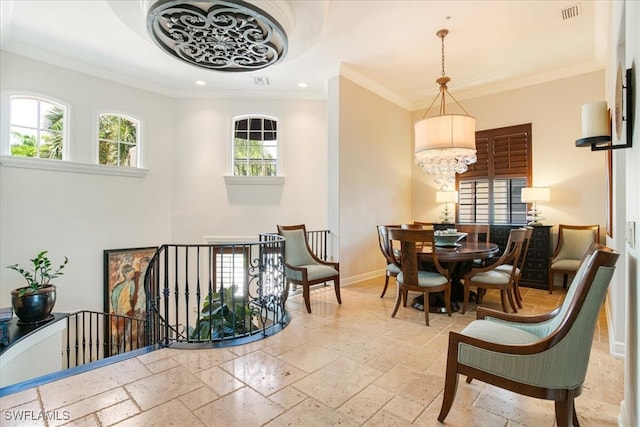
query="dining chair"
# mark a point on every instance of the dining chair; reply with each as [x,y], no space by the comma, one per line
[391,270]
[573,240]
[518,265]
[413,279]
[543,356]
[302,266]
[425,225]
[487,277]
[475,232]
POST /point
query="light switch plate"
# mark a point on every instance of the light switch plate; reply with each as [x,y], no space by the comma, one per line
[631,234]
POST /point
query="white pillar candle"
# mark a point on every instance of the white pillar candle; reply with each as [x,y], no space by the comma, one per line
[595,119]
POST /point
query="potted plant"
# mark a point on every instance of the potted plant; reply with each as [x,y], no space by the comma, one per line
[32,304]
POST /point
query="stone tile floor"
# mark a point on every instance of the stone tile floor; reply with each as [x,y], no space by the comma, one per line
[347,365]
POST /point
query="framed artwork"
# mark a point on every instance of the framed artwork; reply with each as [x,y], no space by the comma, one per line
[124,295]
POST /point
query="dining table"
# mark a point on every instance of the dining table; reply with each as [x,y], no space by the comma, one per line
[458,258]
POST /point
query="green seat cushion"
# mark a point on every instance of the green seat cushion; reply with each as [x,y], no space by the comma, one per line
[314,272]
[566,264]
[393,269]
[492,277]
[426,279]
[498,333]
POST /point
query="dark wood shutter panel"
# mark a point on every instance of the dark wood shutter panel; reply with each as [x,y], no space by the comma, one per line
[481,167]
[502,153]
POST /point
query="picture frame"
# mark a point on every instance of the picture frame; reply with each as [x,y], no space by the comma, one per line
[124,295]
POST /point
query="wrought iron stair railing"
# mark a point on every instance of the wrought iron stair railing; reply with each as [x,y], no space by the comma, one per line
[197,295]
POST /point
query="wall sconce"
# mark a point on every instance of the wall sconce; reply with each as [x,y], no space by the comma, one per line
[535,195]
[596,120]
[446,197]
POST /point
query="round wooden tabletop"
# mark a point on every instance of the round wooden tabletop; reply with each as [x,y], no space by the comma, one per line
[467,251]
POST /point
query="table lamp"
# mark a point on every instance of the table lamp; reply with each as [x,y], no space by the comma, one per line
[446,197]
[535,195]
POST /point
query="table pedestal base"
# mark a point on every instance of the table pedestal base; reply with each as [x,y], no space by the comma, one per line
[436,303]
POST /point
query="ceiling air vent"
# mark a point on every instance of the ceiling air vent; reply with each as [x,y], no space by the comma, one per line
[571,12]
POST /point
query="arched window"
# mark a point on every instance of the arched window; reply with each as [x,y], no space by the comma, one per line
[118,140]
[37,128]
[255,146]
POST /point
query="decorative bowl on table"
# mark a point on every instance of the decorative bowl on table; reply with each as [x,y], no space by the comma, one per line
[449,237]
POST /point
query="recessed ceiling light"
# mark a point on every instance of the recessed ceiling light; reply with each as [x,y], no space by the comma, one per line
[201,82]
[303,84]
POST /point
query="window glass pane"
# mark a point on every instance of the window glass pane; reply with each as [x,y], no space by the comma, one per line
[255,153]
[36,128]
[24,112]
[117,141]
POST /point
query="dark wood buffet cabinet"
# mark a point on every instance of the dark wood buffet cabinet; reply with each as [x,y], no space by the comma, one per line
[536,268]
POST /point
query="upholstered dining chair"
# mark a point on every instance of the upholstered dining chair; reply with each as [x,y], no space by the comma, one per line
[413,279]
[425,225]
[487,277]
[543,356]
[573,240]
[303,267]
[475,232]
[518,265]
[391,270]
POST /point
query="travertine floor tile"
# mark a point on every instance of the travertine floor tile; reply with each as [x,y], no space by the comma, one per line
[348,365]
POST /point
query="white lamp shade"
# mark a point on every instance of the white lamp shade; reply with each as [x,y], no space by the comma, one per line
[535,194]
[446,197]
[445,132]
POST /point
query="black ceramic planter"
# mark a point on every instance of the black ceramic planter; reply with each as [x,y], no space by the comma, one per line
[33,308]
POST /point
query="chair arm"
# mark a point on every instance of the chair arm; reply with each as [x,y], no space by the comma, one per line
[293,267]
[483,312]
[335,265]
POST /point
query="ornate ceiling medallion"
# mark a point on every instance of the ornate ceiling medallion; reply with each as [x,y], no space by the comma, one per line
[226,36]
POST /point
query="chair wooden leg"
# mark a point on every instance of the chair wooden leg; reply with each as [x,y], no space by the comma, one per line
[564,281]
[336,287]
[517,294]
[450,381]
[426,308]
[480,295]
[398,300]
[386,283]
[565,412]
[306,293]
[447,300]
[550,280]
[503,300]
[511,301]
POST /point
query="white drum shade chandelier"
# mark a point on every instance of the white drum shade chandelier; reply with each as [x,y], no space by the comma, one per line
[446,143]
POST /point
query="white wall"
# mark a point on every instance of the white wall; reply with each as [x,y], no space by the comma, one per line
[77,214]
[375,157]
[624,49]
[203,205]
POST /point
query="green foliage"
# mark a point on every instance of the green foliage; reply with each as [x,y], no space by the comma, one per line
[41,272]
[222,315]
[117,135]
[254,158]
[51,145]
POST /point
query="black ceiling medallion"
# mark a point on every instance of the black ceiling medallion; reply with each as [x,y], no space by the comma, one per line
[226,36]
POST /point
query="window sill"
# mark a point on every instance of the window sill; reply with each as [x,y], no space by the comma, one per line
[254,180]
[66,166]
